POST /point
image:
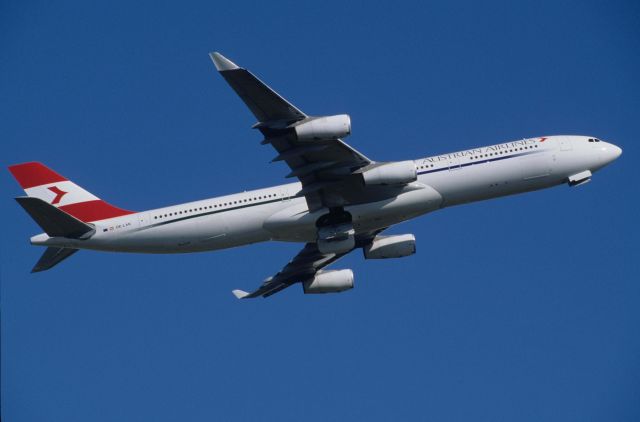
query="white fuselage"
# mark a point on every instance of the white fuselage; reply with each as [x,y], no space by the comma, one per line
[278,213]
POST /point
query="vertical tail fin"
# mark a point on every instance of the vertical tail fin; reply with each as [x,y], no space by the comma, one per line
[41,182]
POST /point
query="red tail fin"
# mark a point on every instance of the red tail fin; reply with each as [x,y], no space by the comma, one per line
[40,181]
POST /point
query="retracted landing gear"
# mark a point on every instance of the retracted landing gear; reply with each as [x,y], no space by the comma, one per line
[335,232]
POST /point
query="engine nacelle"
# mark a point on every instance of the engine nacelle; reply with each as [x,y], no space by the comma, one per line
[382,247]
[396,173]
[327,127]
[332,281]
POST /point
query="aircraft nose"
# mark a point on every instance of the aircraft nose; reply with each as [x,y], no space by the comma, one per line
[611,152]
[617,151]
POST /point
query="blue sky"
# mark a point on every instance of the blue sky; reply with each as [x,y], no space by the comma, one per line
[522,308]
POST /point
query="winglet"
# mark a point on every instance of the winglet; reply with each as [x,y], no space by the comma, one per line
[240,294]
[221,62]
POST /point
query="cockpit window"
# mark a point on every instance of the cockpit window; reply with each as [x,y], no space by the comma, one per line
[594,140]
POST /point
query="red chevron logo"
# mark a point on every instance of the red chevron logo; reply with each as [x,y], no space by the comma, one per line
[59,194]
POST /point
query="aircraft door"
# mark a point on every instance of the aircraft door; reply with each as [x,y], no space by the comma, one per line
[142,219]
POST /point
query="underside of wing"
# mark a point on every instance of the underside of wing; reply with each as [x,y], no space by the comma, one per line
[307,268]
[263,102]
[311,146]
[301,268]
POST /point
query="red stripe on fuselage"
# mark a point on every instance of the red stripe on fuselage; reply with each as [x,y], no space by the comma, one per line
[94,210]
[34,174]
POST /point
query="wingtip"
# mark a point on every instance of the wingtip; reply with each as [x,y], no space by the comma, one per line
[221,62]
[240,294]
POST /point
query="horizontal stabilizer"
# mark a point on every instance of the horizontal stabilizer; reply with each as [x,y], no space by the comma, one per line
[54,221]
[52,257]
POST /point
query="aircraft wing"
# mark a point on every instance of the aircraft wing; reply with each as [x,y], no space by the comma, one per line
[324,166]
[301,268]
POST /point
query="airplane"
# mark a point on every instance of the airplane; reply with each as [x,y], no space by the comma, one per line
[341,201]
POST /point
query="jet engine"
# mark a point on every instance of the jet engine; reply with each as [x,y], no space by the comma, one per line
[331,281]
[396,173]
[327,127]
[398,246]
